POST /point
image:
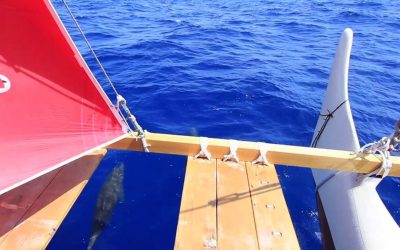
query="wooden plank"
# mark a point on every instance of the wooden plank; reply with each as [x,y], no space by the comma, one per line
[248,151]
[15,204]
[235,220]
[42,219]
[274,226]
[197,226]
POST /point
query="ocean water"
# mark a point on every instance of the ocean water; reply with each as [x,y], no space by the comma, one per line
[250,70]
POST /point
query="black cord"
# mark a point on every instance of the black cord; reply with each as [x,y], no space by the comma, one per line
[326,120]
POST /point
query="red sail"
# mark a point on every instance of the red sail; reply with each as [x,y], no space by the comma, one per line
[52,110]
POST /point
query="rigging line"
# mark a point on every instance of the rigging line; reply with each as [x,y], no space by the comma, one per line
[120,100]
[326,120]
[89,46]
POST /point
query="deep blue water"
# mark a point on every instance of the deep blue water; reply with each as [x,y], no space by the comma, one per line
[250,70]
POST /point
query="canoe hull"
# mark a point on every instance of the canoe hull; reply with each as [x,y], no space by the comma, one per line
[355,214]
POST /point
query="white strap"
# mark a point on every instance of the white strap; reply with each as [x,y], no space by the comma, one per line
[262,158]
[383,147]
[203,149]
[385,167]
[232,156]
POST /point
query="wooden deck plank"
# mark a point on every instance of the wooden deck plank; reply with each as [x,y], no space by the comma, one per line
[274,226]
[40,222]
[248,151]
[15,204]
[197,226]
[235,220]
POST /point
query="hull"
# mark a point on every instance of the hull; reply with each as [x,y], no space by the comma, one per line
[355,214]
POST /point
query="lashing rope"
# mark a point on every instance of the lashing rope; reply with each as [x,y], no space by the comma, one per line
[326,120]
[121,102]
[141,133]
[383,147]
[203,153]
[232,156]
[262,158]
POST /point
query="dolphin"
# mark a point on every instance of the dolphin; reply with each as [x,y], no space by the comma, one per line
[111,193]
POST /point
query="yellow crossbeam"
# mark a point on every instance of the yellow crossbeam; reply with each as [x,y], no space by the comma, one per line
[248,151]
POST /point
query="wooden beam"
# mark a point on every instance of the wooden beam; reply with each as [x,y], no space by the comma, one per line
[248,151]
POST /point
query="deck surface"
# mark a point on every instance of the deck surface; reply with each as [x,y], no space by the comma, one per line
[31,214]
[233,206]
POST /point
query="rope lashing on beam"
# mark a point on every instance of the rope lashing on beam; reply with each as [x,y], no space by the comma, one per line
[232,156]
[203,149]
[383,147]
[262,158]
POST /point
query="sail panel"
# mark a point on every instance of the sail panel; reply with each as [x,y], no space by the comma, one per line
[52,109]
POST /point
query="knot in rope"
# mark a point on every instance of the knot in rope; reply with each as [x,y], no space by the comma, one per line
[330,114]
[326,120]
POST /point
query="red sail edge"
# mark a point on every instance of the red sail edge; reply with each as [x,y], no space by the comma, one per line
[52,109]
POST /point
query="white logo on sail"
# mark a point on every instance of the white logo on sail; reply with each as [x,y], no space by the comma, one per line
[6,84]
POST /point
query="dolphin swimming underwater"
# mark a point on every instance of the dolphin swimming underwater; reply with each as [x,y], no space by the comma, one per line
[111,193]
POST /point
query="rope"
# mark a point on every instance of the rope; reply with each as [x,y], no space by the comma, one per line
[203,153]
[89,46]
[326,120]
[141,133]
[121,102]
[232,156]
[262,158]
[384,146]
